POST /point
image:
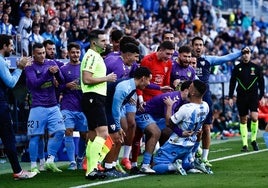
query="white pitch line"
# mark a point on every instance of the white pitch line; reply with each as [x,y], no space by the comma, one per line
[108,181]
[140,175]
[238,155]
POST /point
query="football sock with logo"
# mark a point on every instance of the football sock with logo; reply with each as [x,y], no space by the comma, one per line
[254,130]
[93,153]
[244,134]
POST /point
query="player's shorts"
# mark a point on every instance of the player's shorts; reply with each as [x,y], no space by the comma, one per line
[129,108]
[168,153]
[75,120]
[42,118]
[247,103]
[93,106]
[144,120]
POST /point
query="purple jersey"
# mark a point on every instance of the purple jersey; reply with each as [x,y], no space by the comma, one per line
[115,64]
[157,108]
[40,82]
[182,73]
[71,99]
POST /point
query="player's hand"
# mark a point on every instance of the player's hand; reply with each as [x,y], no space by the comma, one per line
[122,134]
[166,89]
[53,69]
[187,133]
[23,62]
[112,77]
[141,106]
[168,101]
[176,82]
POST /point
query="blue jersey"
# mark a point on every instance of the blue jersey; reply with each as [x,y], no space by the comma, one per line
[189,117]
[204,64]
[123,89]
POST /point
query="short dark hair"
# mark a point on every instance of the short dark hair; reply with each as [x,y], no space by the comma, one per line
[5,40]
[116,35]
[197,38]
[73,45]
[200,86]
[167,45]
[128,39]
[37,45]
[130,47]
[94,34]
[185,85]
[185,49]
[142,71]
[50,42]
[166,32]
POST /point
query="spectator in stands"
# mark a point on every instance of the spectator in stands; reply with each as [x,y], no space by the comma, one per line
[35,37]
[8,80]
[6,27]
[25,30]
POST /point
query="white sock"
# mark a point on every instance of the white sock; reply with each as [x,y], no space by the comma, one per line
[127,150]
[33,164]
[205,154]
[134,164]
[50,159]
[108,165]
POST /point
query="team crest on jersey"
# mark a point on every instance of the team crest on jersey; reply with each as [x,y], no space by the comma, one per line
[240,69]
[166,69]
[69,72]
[112,126]
[189,73]
[202,63]
[252,69]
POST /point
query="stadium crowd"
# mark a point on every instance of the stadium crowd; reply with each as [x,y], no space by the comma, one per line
[66,22]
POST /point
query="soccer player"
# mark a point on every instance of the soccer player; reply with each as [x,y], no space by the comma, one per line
[122,66]
[45,112]
[181,71]
[202,71]
[119,63]
[9,80]
[159,63]
[94,87]
[153,120]
[186,123]
[250,90]
[70,104]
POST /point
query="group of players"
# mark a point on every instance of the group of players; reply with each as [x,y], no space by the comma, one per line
[113,100]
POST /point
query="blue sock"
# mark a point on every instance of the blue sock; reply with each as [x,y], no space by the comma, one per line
[147,158]
[161,168]
[265,137]
[81,147]
[70,148]
[33,147]
[54,143]
[41,148]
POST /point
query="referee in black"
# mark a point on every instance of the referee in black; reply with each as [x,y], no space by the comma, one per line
[250,89]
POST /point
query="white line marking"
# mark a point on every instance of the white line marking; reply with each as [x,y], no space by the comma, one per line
[140,175]
[220,150]
[238,155]
[109,181]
